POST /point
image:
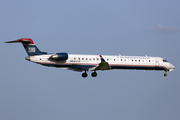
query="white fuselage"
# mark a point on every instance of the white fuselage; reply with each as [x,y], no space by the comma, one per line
[87,62]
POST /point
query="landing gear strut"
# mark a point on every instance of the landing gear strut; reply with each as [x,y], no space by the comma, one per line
[94,74]
[165,74]
[84,75]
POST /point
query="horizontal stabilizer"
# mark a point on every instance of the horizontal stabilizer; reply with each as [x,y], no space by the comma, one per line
[15,41]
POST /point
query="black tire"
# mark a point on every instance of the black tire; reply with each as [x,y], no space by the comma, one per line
[94,74]
[84,75]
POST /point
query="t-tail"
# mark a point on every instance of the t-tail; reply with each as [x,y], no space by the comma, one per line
[29,46]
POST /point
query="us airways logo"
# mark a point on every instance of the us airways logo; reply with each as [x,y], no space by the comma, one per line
[31,49]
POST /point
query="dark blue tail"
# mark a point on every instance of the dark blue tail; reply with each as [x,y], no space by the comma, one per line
[33,50]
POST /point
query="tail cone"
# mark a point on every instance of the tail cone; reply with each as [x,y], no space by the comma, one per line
[27,58]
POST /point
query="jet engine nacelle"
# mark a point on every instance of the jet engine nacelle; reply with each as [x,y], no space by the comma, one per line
[60,56]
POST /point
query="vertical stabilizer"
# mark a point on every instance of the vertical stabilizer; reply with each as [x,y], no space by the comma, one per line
[29,46]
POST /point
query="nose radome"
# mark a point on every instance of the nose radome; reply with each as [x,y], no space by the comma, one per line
[171,67]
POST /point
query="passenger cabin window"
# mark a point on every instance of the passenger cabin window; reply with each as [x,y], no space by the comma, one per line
[165,61]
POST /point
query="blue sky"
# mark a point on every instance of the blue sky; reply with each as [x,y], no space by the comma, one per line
[30,91]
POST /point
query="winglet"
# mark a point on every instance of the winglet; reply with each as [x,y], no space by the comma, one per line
[102,59]
[103,65]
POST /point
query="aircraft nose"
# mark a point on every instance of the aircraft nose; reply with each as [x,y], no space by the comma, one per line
[27,58]
[171,67]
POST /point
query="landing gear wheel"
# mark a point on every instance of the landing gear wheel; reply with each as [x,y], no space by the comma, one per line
[84,75]
[165,74]
[94,74]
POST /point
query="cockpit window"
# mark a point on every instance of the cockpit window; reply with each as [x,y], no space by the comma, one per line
[165,60]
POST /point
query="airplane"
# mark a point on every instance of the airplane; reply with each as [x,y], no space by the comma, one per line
[78,62]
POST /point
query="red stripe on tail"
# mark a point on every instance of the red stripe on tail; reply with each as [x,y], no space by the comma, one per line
[25,41]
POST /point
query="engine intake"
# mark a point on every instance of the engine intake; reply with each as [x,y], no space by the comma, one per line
[60,56]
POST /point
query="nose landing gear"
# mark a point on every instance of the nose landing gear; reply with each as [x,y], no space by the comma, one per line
[165,74]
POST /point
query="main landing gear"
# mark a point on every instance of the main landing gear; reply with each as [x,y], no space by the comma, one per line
[93,74]
[84,75]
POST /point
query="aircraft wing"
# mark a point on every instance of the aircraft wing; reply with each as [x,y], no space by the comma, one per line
[103,65]
[80,68]
[74,69]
